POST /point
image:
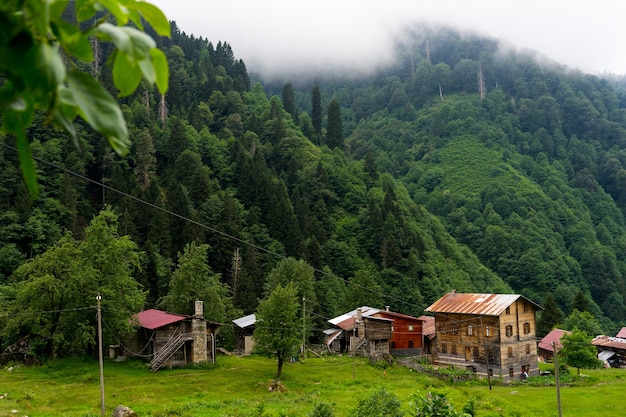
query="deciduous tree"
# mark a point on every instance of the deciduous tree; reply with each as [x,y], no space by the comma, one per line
[277,333]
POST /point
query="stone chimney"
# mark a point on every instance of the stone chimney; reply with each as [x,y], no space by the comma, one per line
[386,308]
[198,331]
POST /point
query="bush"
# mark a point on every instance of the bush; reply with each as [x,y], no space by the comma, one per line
[435,404]
[322,409]
[380,404]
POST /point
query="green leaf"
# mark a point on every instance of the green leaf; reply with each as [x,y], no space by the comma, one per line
[117,9]
[159,61]
[26,163]
[74,42]
[155,17]
[126,76]
[147,69]
[98,108]
[85,9]
[129,41]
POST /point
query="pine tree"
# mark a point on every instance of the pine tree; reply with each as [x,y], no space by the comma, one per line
[334,128]
[550,316]
[316,112]
[289,101]
[581,302]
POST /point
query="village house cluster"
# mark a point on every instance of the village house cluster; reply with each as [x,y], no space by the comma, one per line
[489,334]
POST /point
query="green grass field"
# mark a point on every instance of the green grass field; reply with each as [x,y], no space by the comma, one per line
[239,387]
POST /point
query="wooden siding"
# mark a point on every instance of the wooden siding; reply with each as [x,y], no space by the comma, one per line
[505,344]
[407,332]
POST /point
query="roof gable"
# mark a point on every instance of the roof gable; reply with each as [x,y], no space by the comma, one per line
[478,304]
[153,319]
[553,337]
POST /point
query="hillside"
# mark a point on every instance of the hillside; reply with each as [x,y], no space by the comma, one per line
[459,167]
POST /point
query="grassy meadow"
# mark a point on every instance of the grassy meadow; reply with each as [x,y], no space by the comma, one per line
[239,387]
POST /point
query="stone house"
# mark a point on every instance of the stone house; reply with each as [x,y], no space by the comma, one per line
[168,339]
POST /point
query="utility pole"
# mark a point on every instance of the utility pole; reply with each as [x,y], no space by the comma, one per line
[100,358]
[556,377]
[303,327]
[486,352]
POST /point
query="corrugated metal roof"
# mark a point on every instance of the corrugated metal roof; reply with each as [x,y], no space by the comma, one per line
[245,321]
[331,337]
[478,304]
[612,342]
[621,333]
[554,336]
[153,319]
[365,312]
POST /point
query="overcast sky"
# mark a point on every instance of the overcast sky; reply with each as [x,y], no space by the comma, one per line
[278,35]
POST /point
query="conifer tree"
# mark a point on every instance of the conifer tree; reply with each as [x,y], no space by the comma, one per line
[334,128]
[289,101]
[550,316]
[316,112]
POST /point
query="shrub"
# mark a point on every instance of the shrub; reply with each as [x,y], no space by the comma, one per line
[380,404]
[322,409]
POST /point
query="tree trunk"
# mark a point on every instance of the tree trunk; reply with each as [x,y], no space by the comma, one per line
[280,367]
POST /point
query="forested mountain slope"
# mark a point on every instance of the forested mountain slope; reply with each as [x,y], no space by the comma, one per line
[458,167]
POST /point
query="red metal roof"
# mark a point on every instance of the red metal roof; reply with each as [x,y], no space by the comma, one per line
[621,333]
[478,304]
[153,319]
[554,336]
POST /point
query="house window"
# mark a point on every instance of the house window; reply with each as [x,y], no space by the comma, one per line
[526,328]
[454,349]
[487,331]
[442,328]
[470,330]
[410,344]
[393,345]
[525,308]
[510,351]
[490,371]
[410,327]
[444,348]
[509,330]
[527,349]
[508,310]
[454,329]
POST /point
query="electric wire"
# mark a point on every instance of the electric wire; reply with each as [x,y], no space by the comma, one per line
[205,226]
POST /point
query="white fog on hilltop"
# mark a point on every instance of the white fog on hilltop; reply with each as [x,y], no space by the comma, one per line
[275,37]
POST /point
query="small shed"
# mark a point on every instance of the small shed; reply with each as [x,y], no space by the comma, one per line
[170,339]
[244,334]
[545,347]
[611,350]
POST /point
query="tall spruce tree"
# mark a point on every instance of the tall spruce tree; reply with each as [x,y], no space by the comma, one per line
[334,127]
[316,112]
[289,101]
[550,316]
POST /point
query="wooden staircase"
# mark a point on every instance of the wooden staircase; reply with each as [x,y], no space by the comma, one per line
[168,350]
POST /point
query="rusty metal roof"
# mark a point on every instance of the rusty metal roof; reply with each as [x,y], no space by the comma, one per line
[428,327]
[622,333]
[611,342]
[153,319]
[478,304]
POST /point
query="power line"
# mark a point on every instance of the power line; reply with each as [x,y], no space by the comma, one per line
[205,226]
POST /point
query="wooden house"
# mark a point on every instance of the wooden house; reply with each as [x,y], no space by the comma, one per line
[490,334]
[360,332]
[406,333]
[244,334]
[429,336]
[169,339]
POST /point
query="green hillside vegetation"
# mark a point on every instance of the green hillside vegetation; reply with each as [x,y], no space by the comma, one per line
[459,166]
[238,386]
